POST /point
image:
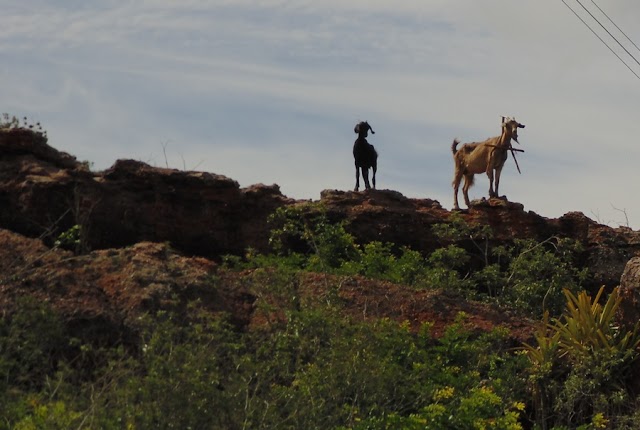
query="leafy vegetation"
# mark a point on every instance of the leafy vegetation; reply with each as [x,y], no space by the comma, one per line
[311,366]
[316,369]
[527,276]
[591,354]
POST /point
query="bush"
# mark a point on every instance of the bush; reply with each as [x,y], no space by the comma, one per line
[184,378]
[310,365]
[304,238]
[296,230]
[31,339]
[377,260]
[580,365]
[468,382]
[538,272]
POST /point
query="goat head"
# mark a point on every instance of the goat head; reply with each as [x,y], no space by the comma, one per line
[513,127]
[362,128]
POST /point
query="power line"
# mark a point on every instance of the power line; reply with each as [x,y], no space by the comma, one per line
[608,32]
[600,38]
[619,29]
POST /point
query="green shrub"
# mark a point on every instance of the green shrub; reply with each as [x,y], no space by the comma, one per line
[527,275]
[538,272]
[580,365]
[31,338]
[305,363]
[468,381]
[324,371]
[51,415]
[447,269]
[186,377]
[69,239]
[377,260]
[303,238]
[308,229]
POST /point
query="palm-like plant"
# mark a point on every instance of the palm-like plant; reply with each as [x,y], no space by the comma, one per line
[585,335]
[588,327]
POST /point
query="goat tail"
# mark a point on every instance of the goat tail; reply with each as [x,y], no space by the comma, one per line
[454,146]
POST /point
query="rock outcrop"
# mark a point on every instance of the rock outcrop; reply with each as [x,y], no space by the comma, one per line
[630,292]
[150,239]
[44,192]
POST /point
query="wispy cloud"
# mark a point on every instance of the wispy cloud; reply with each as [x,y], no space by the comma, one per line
[269,91]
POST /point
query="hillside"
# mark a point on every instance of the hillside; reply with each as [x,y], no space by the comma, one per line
[203,216]
[151,239]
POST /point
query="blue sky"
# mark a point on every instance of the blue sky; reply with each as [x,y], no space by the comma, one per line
[269,92]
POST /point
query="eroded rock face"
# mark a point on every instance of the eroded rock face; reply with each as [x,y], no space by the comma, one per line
[44,192]
[629,312]
[198,213]
[103,294]
[151,236]
[37,183]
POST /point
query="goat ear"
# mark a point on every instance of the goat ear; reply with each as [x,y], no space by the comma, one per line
[356,129]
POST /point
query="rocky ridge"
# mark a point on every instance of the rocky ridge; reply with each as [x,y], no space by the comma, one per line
[152,237]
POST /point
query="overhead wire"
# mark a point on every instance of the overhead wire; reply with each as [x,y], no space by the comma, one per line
[600,38]
[619,29]
[608,32]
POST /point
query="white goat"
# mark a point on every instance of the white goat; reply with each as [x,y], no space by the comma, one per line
[478,157]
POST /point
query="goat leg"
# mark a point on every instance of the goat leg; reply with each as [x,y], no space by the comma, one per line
[468,181]
[492,193]
[365,176]
[456,186]
[374,169]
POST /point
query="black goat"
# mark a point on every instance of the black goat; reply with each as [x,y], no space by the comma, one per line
[365,155]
